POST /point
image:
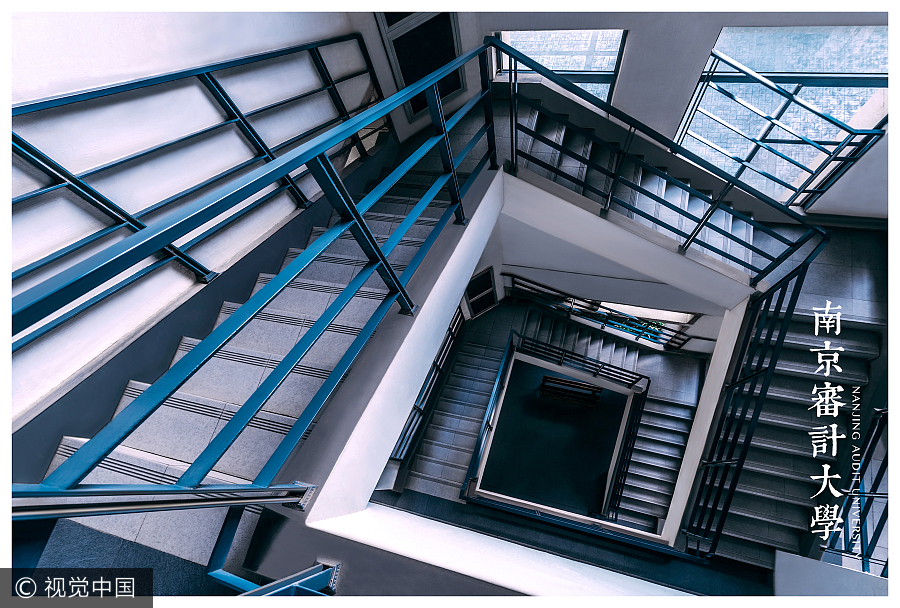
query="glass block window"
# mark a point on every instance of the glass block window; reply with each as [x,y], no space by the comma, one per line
[589,58]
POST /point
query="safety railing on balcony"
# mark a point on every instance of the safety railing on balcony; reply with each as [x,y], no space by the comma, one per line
[81,278]
[773,258]
[806,154]
[766,325]
[640,329]
[864,512]
[212,78]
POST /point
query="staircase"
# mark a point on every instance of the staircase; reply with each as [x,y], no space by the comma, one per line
[549,162]
[160,449]
[439,468]
[772,505]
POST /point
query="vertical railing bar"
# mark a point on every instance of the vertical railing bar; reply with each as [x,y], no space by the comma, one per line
[103,204]
[514,114]
[439,126]
[488,107]
[232,110]
[325,75]
[336,193]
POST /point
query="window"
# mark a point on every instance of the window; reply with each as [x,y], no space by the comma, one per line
[589,58]
[406,37]
[835,69]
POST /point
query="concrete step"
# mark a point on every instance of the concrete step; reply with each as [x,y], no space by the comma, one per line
[552,130]
[746,551]
[311,297]
[637,520]
[581,145]
[185,424]
[197,529]
[233,374]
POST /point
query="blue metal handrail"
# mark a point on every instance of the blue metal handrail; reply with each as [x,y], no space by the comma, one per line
[499,384]
[590,310]
[766,325]
[234,117]
[77,280]
[863,499]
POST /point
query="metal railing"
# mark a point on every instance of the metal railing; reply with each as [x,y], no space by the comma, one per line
[320,579]
[803,182]
[81,278]
[235,117]
[436,373]
[554,299]
[766,324]
[621,153]
[625,451]
[564,358]
[860,541]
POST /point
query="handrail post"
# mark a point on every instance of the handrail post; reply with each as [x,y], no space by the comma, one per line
[488,108]
[328,81]
[232,111]
[435,108]
[336,193]
[619,164]
[513,116]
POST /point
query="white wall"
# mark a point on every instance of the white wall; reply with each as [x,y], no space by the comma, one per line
[56,53]
[541,235]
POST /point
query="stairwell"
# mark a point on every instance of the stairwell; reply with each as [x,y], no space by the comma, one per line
[770,509]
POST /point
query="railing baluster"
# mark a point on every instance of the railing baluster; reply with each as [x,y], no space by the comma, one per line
[488,108]
[435,108]
[336,193]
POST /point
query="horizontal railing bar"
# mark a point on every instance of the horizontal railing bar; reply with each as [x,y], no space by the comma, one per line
[741,161]
[612,147]
[308,133]
[157,148]
[766,116]
[457,160]
[283,102]
[234,217]
[61,100]
[197,187]
[68,315]
[759,78]
[587,163]
[582,76]
[143,506]
[807,79]
[30,195]
[40,490]
[458,115]
[64,251]
[758,142]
